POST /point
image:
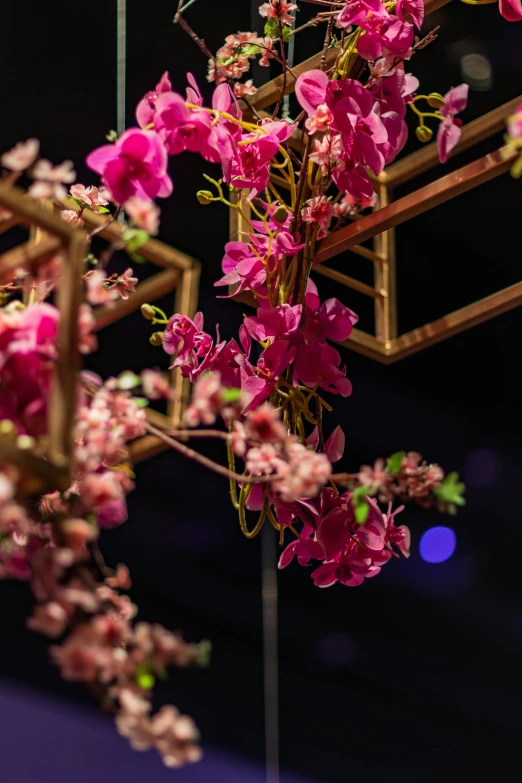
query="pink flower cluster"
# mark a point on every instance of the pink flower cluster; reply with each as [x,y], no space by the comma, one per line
[349,552]
[413,479]
[363,128]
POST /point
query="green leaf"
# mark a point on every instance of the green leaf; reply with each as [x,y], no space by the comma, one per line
[286,33]
[360,504]
[140,402]
[361,512]
[250,50]
[450,492]
[231,395]
[128,380]
[112,136]
[516,169]
[272,28]
[103,210]
[77,201]
[203,654]
[144,678]
[394,463]
[134,238]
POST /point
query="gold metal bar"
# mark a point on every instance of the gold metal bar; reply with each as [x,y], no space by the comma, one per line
[427,157]
[154,251]
[456,322]
[367,345]
[238,221]
[370,255]
[384,279]
[30,212]
[416,203]
[186,302]
[29,254]
[151,289]
[62,403]
[348,281]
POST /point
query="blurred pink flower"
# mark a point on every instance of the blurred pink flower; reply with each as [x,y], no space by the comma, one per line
[21,156]
[449,132]
[49,179]
[144,214]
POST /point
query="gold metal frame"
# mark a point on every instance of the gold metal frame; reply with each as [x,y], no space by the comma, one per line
[386,346]
[42,475]
[179,272]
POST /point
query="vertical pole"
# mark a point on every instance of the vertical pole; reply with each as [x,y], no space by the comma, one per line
[385,279]
[268,551]
[270,652]
[121,64]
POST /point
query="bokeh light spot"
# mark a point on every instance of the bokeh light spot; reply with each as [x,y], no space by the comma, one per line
[437,544]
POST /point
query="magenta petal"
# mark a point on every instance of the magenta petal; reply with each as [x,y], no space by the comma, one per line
[116,178]
[98,158]
[325,575]
[134,143]
[287,554]
[334,446]
[336,320]
[310,90]
[447,137]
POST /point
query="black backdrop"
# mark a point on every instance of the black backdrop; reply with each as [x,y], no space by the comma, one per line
[416,674]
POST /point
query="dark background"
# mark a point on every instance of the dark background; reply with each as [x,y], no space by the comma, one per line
[416,674]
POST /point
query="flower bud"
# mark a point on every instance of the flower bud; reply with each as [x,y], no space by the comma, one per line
[204,196]
[280,214]
[147,311]
[156,338]
[423,133]
[435,100]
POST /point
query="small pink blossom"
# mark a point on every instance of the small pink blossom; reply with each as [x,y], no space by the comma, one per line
[98,488]
[320,121]
[264,424]
[49,618]
[207,400]
[125,283]
[155,385]
[21,156]
[98,292]
[50,178]
[318,210]
[327,151]
[87,340]
[244,88]
[72,217]
[90,196]
[144,214]
[278,9]
[261,459]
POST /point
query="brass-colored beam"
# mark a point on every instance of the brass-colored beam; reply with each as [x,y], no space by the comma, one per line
[349,282]
[29,254]
[427,156]
[153,250]
[456,322]
[30,212]
[422,200]
[153,288]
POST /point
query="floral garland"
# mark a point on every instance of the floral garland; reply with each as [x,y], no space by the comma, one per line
[268,387]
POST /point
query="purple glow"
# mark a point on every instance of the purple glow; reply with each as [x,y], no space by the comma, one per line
[481,468]
[437,544]
[336,650]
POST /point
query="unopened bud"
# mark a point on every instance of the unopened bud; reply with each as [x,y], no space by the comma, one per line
[156,338]
[147,311]
[423,133]
[435,100]
[281,214]
[204,196]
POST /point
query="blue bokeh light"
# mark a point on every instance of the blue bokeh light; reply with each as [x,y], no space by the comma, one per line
[437,544]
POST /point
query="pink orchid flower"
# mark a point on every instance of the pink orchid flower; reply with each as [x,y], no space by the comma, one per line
[382,30]
[282,321]
[511,10]
[349,569]
[241,266]
[272,362]
[181,128]
[136,165]
[449,132]
[411,8]
[334,445]
[147,106]
[319,364]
